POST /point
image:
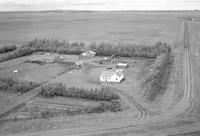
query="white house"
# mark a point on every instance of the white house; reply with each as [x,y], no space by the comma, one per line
[111,76]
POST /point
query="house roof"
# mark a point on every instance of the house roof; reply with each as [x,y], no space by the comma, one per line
[109,73]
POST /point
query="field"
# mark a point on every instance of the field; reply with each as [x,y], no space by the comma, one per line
[158,96]
[131,27]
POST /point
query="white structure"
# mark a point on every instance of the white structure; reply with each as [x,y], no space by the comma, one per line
[88,54]
[111,76]
[119,70]
[15,71]
[122,65]
[105,58]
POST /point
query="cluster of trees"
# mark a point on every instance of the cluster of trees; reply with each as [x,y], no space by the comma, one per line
[109,101]
[153,82]
[58,89]
[15,54]
[62,47]
[103,49]
[15,86]
[7,48]
[130,50]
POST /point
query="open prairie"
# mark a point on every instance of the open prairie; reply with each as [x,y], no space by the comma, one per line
[132,27]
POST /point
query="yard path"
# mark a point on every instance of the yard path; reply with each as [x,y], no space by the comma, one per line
[142,111]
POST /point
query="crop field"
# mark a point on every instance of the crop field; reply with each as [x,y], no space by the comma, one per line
[49,86]
[131,27]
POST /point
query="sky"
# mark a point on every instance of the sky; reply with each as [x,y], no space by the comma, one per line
[100,5]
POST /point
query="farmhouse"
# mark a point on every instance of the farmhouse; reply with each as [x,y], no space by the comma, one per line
[111,76]
[88,54]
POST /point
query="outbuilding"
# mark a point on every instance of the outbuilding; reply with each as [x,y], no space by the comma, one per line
[88,54]
[122,65]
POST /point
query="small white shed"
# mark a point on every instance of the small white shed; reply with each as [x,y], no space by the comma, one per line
[122,65]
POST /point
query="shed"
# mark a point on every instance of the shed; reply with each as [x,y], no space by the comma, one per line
[122,65]
[88,54]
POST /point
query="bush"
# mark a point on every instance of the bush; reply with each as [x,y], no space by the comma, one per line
[7,48]
[17,53]
[15,86]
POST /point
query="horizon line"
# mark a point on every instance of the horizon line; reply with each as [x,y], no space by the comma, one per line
[165,10]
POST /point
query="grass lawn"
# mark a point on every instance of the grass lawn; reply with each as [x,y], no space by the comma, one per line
[86,78]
